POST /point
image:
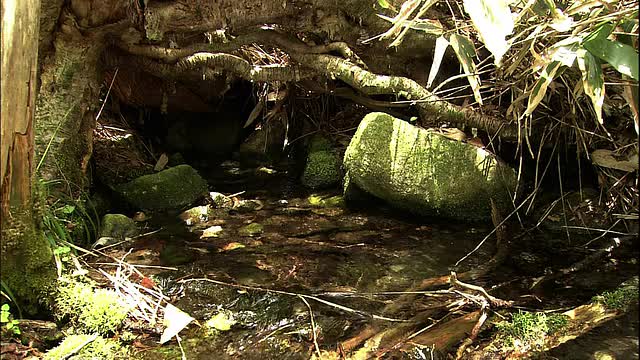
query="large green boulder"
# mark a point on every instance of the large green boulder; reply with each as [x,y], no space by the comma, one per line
[173,188]
[322,169]
[424,172]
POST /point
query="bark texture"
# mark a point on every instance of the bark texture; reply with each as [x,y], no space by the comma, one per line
[26,258]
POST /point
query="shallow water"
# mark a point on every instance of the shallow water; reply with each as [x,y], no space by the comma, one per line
[342,256]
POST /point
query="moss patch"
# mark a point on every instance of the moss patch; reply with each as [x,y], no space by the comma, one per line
[528,329]
[620,298]
[322,169]
[89,309]
[99,348]
[253,229]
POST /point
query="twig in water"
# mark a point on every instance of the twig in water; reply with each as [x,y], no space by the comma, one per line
[313,327]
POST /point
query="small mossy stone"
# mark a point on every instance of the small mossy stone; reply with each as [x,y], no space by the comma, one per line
[253,229]
[175,255]
[118,226]
[173,188]
[322,170]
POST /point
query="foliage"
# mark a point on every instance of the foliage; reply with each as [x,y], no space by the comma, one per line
[6,319]
[564,71]
[91,310]
[529,329]
[98,348]
[619,298]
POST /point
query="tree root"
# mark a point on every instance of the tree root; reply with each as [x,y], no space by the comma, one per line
[347,68]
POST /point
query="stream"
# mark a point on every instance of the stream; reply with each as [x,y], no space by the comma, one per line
[277,236]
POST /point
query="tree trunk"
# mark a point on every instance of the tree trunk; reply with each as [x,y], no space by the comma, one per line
[27,267]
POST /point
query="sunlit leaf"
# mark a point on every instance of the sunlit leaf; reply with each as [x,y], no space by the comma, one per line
[221,321]
[465,51]
[438,54]
[630,94]
[561,22]
[212,231]
[622,57]
[429,26]
[174,321]
[383,4]
[67,209]
[592,80]
[232,246]
[407,8]
[494,22]
[540,87]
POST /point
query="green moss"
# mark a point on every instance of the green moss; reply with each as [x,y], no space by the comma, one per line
[253,229]
[621,297]
[118,226]
[173,188]
[332,201]
[322,170]
[89,309]
[27,266]
[99,348]
[173,254]
[530,329]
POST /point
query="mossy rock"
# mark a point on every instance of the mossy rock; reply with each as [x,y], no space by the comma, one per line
[253,229]
[322,169]
[118,226]
[336,201]
[426,173]
[173,188]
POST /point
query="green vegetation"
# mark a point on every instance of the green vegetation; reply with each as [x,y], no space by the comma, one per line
[7,321]
[322,169]
[620,298]
[530,329]
[332,201]
[89,309]
[79,347]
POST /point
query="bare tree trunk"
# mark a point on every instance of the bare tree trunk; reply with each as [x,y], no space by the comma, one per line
[26,257]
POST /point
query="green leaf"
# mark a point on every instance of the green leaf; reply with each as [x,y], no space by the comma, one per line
[592,80]
[541,85]
[465,51]
[68,209]
[622,57]
[438,54]
[383,4]
[494,22]
[5,307]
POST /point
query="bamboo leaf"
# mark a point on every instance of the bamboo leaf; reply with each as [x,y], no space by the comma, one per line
[465,51]
[383,4]
[541,85]
[438,54]
[494,22]
[622,57]
[429,26]
[592,80]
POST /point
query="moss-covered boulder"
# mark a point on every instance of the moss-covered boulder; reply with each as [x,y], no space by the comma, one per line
[425,173]
[322,169]
[173,188]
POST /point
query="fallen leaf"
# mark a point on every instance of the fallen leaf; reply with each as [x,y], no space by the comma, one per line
[174,321]
[231,246]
